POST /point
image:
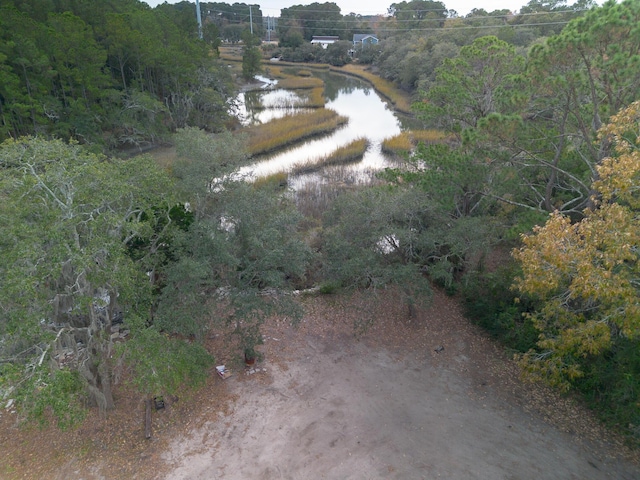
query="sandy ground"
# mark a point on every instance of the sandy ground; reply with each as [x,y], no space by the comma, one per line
[327,405]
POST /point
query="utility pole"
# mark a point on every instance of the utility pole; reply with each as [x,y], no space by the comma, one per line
[250,19]
[199,17]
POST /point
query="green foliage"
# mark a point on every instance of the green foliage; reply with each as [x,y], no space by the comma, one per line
[455,178]
[611,385]
[490,302]
[291,39]
[241,254]
[162,364]
[251,56]
[69,218]
[477,82]
[337,53]
[123,76]
[372,240]
[310,20]
[327,288]
[56,396]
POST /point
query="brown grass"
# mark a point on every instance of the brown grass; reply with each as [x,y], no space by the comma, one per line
[406,141]
[346,154]
[316,98]
[290,129]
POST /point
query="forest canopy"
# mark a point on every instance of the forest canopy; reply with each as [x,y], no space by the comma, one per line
[118,77]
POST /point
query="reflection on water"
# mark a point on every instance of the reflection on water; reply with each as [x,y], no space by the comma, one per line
[369,117]
[258,106]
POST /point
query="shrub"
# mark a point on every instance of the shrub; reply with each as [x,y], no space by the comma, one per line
[490,303]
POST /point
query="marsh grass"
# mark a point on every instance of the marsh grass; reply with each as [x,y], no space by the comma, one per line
[231,53]
[313,199]
[398,144]
[316,98]
[346,154]
[274,71]
[405,142]
[290,129]
[274,181]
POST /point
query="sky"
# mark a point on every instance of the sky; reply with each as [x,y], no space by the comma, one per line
[369,7]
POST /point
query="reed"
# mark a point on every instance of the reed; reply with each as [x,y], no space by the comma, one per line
[430,136]
[406,141]
[314,199]
[290,129]
[316,98]
[346,154]
[230,53]
[275,181]
[274,71]
[398,144]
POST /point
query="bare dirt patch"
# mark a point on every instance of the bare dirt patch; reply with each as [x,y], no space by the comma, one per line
[422,398]
[327,404]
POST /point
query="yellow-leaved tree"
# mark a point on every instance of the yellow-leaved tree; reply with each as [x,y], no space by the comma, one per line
[587,274]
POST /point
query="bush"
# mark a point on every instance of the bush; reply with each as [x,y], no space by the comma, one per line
[611,386]
[490,303]
[329,287]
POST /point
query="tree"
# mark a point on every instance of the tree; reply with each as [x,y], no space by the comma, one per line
[25,84]
[337,53]
[399,237]
[477,82]
[310,20]
[572,84]
[69,219]
[79,81]
[419,14]
[242,254]
[585,274]
[251,56]
[118,76]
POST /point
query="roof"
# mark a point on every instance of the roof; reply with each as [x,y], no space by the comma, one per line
[325,38]
[359,37]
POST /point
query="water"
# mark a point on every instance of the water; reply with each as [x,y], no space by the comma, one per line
[369,117]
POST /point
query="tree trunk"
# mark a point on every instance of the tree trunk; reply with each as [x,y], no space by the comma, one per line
[147,418]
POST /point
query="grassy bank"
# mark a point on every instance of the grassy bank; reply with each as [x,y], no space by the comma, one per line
[290,129]
[405,142]
[347,154]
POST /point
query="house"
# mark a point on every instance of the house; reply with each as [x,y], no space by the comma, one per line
[323,41]
[364,39]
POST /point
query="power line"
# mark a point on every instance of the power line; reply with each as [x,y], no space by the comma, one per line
[442,29]
[468,17]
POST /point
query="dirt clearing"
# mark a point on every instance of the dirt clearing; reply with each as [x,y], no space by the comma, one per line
[427,398]
[422,398]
